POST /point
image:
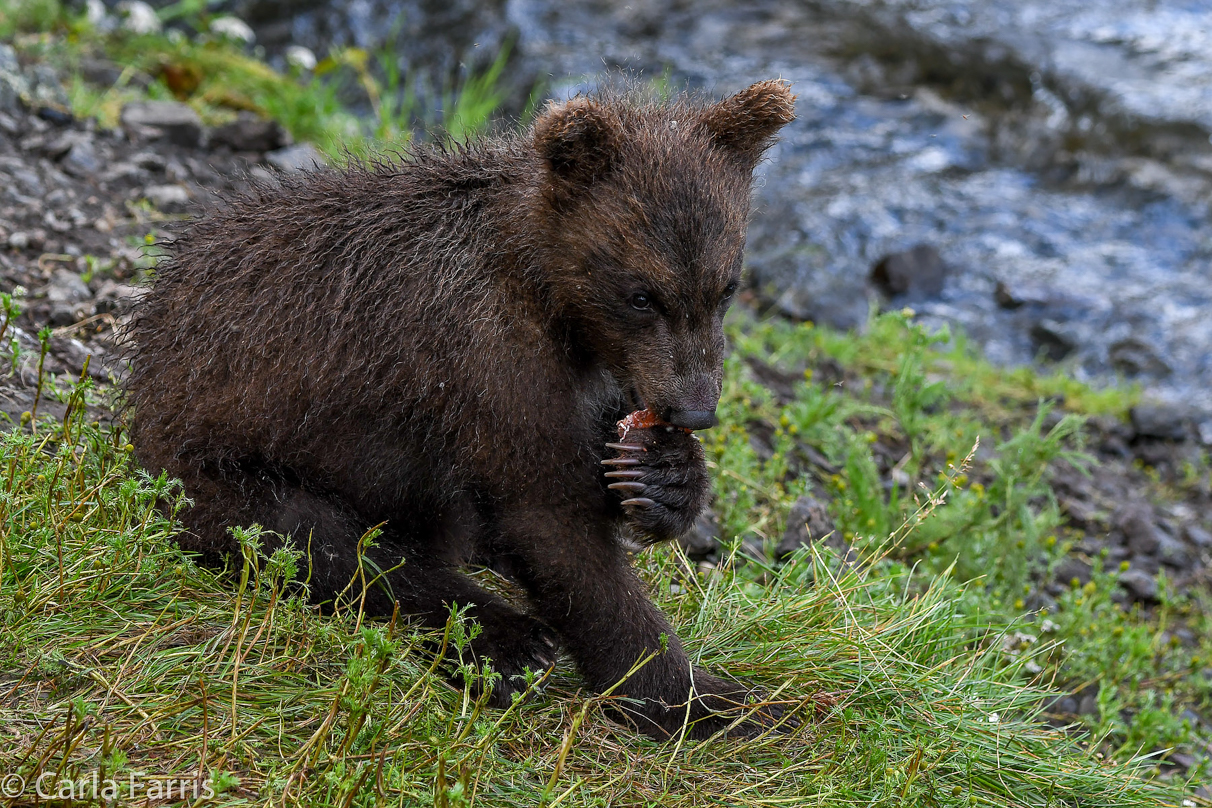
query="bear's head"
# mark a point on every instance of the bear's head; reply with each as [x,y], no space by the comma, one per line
[643,210]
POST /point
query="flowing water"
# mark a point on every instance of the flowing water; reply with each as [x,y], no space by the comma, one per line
[1058,149]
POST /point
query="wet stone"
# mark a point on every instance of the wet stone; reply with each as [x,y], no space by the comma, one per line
[807,522]
[167,198]
[1015,297]
[1198,536]
[917,272]
[1173,553]
[1136,357]
[1137,522]
[67,287]
[1054,339]
[703,540]
[174,121]
[81,159]
[1139,584]
[250,132]
[302,157]
[1160,420]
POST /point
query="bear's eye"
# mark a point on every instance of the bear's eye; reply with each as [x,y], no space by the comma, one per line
[729,291]
[641,302]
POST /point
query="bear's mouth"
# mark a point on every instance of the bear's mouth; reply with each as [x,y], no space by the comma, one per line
[633,399]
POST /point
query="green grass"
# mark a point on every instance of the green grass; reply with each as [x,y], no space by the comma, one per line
[132,658]
[922,684]
[923,668]
[218,78]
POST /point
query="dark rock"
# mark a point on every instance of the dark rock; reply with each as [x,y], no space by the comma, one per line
[39,88]
[1071,569]
[917,272]
[1182,760]
[250,132]
[23,240]
[1054,339]
[1136,357]
[67,287]
[123,172]
[752,547]
[807,523]
[1080,512]
[174,121]
[58,146]
[1015,297]
[1160,420]
[1198,536]
[56,115]
[149,160]
[1145,563]
[1173,553]
[1038,601]
[117,297]
[703,540]
[81,159]
[74,353]
[1139,584]
[101,72]
[1138,523]
[301,157]
[1088,705]
[66,293]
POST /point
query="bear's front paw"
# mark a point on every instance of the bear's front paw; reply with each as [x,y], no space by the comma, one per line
[715,705]
[662,475]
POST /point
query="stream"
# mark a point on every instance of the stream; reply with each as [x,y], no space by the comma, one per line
[1055,155]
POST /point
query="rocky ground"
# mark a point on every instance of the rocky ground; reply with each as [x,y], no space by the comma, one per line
[81,208]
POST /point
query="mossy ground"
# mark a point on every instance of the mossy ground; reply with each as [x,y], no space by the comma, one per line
[922,670]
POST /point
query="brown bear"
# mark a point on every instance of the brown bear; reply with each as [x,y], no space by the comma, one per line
[443,345]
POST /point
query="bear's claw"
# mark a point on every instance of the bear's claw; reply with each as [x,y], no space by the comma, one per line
[631,488]
[621,461]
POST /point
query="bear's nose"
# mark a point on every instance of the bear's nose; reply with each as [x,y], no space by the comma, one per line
[692,419]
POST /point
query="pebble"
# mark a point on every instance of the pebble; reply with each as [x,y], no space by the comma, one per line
[176,122]
[1198,536]
[1160,420]
[703,540]
[249,132]
[81,159]
[917,272]
[1138,523]
[300,157]
[807,522]
[1054,339]
[1140,584]
[167,198]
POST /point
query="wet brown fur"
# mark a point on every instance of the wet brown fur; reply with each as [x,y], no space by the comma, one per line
[443,344]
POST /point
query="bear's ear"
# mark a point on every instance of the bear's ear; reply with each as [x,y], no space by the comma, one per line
[577,139]
[747,122]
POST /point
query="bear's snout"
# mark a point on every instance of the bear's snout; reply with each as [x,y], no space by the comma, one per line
[692,419]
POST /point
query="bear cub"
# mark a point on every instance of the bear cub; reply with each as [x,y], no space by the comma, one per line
[443,345]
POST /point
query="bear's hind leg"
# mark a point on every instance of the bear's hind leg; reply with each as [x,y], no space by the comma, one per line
[328,531]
